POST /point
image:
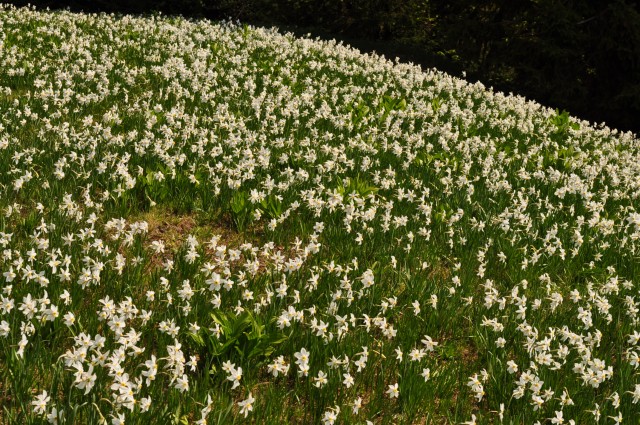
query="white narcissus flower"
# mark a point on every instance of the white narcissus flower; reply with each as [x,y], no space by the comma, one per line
[429,344]
[330,416]
[348,380]
[471,422]
[617,419]
[635,393]
[246,405]
[393,391]
[320,380]
[182,383]
[426,374]
[4,328]
[69,319]
[234,376]
[416,307]
[118,420]
[398,354]
[145,404]
[357,404]
[416,354]
[558,420]
[40,403]
[54,416]
[84,380]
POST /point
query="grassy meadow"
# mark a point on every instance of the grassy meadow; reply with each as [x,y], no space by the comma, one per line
[210,223]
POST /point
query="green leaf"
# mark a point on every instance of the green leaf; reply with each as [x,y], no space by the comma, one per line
[238,202]
[176,415]
[197,339]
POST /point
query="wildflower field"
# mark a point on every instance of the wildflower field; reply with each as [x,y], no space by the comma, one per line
[209,223]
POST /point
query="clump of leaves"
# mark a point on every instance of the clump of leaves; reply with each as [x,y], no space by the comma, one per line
[242,338]
[271,206]
[389,104]
[240,209]
[562,122]
[356,186]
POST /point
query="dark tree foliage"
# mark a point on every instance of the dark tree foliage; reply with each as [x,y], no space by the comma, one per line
[579,55]
[582,55]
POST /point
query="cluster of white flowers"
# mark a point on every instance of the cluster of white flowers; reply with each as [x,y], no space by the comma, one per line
[190,208]
[475,383]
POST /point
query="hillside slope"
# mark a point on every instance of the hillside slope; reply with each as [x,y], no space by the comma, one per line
[218,223]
